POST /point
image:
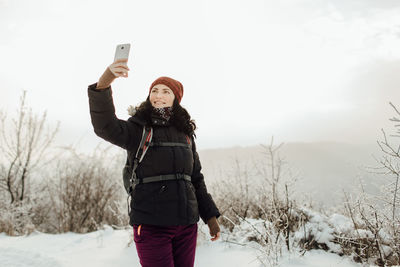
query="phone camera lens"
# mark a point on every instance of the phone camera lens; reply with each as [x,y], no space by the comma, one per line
[122,47]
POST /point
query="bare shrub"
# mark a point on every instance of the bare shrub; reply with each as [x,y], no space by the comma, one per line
[86,193]
[15,219]
[369,242]
[261,192]
[80,193]
[235,196]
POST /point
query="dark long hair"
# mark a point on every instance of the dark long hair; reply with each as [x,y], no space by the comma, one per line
[180,117]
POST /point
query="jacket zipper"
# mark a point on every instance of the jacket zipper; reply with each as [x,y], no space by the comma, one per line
[162,189]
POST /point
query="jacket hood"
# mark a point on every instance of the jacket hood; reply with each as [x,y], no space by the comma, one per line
[131,110]
[142,119]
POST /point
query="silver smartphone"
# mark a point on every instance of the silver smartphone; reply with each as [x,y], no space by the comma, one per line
[122,51]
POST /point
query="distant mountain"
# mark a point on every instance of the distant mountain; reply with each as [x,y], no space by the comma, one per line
[323,169]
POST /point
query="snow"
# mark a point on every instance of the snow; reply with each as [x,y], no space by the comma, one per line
[320,228]
[318,258]
[106,247]
[342,224]
[109,247]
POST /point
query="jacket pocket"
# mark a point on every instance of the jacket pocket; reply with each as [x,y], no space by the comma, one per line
[192,202]
[191,191]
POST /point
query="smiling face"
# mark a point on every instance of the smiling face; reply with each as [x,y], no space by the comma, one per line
[161,96]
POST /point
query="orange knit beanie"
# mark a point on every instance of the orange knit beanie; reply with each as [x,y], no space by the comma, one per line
[173,84]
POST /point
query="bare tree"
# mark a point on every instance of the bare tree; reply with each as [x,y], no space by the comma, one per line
[390,166]
[379,214]
[389,163]
[23,143]
[271,171]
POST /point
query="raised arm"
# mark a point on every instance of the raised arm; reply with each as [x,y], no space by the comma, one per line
[102,111]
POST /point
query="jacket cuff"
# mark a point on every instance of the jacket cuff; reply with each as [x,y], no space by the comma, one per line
[210,213]
[93,87]
[100,100]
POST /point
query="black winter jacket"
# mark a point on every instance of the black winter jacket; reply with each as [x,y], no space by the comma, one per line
[173,202]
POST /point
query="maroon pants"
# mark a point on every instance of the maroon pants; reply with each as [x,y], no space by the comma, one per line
[165,246]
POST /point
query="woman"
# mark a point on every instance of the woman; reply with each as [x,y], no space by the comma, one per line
[164,214]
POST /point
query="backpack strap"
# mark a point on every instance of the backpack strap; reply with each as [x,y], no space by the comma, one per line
[165,177]
[188,145]
[169,144]
[144,145]
[189,141]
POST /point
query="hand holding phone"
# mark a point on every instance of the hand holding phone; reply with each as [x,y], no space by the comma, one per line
[119,68]
[122,51]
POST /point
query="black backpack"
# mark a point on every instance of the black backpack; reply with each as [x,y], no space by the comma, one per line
[129,171]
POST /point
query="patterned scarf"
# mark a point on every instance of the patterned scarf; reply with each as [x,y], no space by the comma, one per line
[164,113]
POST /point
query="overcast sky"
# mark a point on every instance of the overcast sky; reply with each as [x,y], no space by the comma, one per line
[301,70]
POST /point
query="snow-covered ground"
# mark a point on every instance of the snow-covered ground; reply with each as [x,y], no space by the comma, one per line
[109,247]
